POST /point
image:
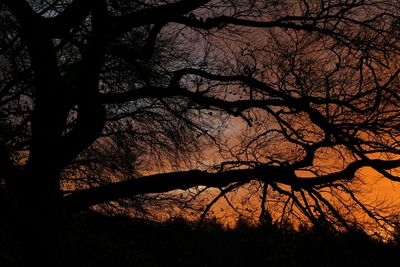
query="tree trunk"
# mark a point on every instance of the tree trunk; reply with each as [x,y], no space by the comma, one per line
[41,221]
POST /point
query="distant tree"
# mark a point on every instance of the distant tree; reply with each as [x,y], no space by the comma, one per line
[106,100]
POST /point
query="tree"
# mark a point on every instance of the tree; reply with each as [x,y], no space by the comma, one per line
[97,96]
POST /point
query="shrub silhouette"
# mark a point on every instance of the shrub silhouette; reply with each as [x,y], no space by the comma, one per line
[98,240]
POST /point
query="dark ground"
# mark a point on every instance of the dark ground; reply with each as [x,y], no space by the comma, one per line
[96,240]
[102,241]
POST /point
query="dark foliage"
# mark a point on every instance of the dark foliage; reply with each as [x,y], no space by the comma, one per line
[105,241]
[98,240]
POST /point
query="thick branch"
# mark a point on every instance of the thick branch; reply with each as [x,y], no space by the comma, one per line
[91,114]
[23,12]
[234,107]
[71,17]
[289,22]
[165,182]
[154,15]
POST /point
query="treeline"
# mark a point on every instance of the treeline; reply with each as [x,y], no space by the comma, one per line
[97,240]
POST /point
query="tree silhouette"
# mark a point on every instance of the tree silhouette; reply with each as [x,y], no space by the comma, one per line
[104,100]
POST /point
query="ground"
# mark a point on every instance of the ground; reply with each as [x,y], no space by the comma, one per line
[96,240]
